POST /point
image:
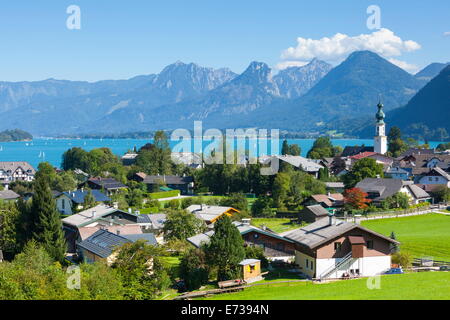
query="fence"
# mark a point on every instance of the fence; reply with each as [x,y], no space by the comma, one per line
[389,214]
[430,263]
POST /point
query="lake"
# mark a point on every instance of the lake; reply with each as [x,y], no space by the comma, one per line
[51,150]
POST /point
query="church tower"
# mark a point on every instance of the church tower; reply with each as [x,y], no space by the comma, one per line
[380,143]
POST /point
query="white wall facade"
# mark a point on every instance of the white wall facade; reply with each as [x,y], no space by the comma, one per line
[366,266]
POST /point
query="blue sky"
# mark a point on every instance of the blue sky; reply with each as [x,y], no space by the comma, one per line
[120,39]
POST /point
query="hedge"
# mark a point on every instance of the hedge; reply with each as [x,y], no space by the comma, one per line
[164,194]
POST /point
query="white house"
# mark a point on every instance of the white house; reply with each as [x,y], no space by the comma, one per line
[379,189]
[11,171]
[70,201]
[330,248]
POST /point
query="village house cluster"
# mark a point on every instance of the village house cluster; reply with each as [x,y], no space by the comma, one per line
[323,246]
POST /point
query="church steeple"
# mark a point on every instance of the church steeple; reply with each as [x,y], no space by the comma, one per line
[380,114]
[380,141]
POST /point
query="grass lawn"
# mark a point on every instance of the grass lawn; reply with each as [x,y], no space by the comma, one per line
[422,236]
[275,224]
[173,264]
[205,198]
[433,285]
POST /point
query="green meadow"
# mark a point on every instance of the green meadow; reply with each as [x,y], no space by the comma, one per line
[411,286]
[422,236]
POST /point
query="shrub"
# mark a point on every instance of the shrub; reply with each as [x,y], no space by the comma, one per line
[402,258]
[193,269]
[254,252]
[186,202]
[172,204]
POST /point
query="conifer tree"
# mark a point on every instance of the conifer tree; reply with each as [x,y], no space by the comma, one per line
[394,246]
[46,226]
[226,249]
[89,200]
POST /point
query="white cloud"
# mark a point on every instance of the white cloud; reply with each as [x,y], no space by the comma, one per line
[286,64]
[411,68]
[447,34]
[338,47]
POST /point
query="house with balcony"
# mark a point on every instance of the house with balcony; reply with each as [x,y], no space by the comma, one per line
[331,248]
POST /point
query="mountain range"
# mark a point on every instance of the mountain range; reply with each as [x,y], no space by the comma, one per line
[311,98]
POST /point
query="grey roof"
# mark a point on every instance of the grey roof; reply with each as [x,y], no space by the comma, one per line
[411,151]
[396,170]
[102,243]
[321,232]
[168,179]
[78,196]
[384,187]
[249,261]
[148,237]
[14,165]
[198,239]
[418,192]
[157,220]
[129,156]
[107,183]
[441,172]
[8,195]
[87,216]
[334,184]
[317,210]
[305,164]
[206,212]
[186,158]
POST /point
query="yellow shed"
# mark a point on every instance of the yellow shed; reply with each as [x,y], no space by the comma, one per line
[251,270]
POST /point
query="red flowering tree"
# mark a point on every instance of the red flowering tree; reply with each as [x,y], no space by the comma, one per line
[355,198]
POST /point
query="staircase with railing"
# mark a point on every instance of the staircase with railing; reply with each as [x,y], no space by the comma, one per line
[345,260]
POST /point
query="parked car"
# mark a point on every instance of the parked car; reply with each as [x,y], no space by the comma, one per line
[394,271]
[444,268]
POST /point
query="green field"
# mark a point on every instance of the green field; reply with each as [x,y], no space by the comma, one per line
[422,236]
[275,224]
[420,286]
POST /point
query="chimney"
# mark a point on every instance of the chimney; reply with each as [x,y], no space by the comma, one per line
[130,210]
[331,219]
[82,189]
[92,213]
[118,232]
[115,205]
[246,221]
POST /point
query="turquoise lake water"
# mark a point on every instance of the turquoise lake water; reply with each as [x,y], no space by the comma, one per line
[51,150]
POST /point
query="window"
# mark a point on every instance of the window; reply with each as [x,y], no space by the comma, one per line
[337,246]
[369,244]
[430,179]
[252,267]
[63,204]
[312,265]
[307,263]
